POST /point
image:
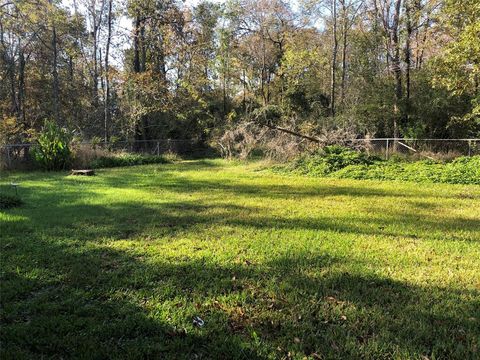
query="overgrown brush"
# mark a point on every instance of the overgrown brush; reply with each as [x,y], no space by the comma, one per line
[251,138]
[328,160]
[339,162]
[463,170]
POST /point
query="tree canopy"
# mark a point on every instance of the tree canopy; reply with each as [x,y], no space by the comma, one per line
[157,69]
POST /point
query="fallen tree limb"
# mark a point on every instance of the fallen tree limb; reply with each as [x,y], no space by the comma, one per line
[291,132]
[414,150]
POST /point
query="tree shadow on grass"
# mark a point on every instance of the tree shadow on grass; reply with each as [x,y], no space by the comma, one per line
[61,300]
[70,302]
[124,221]
[386,223]
[67,295]
[65,214]
[171,178]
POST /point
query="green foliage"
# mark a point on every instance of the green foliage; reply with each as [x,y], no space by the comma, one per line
[337,157]
[241,60]
[328,160]
[10,130]
[464,170]
[338,162]
[52,148]
[269,114]
[9,201]
[457,66]
[303,68]
[95,141]
[128,160]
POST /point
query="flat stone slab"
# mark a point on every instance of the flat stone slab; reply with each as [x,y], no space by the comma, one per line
[87,172]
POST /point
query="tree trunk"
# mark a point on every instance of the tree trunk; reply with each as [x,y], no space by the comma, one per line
[21,87]
[160,57]
[419,59]
[136,68]
[143,48]
[136,46]
[95,60]
[334,58]
[244,83]
[11,74]
[55,87]
[139,60]
[107,114]
[397,71]
[344,52]
[407,61]
[264,70]
[224,93]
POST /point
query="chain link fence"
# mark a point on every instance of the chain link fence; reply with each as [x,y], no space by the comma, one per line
[153,147]
[437,149]
[17,156]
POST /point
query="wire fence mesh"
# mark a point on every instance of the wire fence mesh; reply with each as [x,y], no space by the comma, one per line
[439,149]
[17,156]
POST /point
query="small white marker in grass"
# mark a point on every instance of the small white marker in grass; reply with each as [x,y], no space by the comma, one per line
[197,321]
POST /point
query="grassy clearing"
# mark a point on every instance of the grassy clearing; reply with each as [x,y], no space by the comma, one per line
[117,265]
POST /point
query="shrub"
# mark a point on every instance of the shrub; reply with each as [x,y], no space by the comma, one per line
[328,160]
[9,201]
[52,148]
[338,162]
[337,157]
[127,160]
[463,170]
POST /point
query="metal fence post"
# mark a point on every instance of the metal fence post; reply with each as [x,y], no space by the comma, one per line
[386,151]
[469,148]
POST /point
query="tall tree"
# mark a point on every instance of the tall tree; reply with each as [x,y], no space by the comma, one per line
[107,112]
[388,13]
[333,73]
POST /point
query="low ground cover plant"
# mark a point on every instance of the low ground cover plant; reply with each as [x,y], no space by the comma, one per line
[340,162]
[328,160]
[463,170]
[128,160]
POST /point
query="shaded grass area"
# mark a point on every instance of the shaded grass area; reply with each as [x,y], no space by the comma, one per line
[8,201]
[117,265]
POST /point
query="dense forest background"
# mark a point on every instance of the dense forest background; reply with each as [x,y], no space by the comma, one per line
[165,69]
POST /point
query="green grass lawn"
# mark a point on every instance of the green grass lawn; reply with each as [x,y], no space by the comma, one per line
[117,265]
